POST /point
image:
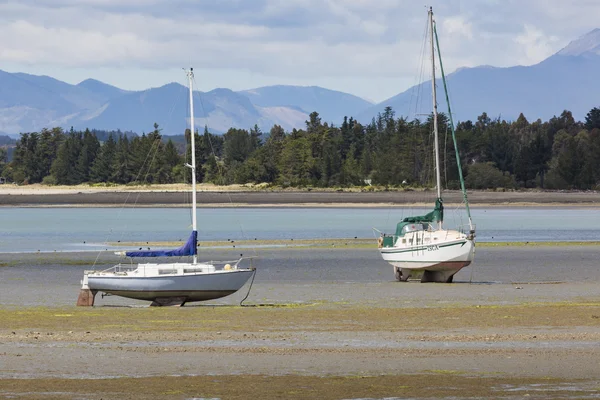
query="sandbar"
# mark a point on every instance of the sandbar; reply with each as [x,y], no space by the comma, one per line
[258,196]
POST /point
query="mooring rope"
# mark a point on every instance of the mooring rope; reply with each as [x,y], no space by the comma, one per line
[249,288]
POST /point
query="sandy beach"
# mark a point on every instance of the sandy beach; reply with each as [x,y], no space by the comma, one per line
[244,195]
[311,331]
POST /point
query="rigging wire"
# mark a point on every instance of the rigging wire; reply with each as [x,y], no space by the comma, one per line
[424,171]
[411,117]
[421,77]
[446,157]
[153,151]
[155,146]
[221,173]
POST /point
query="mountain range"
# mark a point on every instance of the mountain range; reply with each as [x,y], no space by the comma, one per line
[566,80]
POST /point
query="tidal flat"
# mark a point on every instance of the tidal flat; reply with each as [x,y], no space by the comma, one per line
[327,323]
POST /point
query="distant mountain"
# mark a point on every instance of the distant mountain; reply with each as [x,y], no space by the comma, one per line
[29,103]
[331,105]
[106,91]
[6,140]
[587,45]
[219,109]
[565,81]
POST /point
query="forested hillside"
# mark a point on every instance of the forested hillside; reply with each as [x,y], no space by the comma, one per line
[561,153]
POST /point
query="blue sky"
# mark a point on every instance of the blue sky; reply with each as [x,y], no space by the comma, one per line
[370,48]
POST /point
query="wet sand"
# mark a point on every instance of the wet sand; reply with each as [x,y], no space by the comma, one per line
[214,196]
[329,328]
[311,351]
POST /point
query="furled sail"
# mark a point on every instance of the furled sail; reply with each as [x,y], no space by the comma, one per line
[188,249]
[436,215]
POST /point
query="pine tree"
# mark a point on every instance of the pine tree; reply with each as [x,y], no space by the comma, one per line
[102,168]
[121,167]
[60,169]
[592,119]
[255,140]
[89,150]
[171,164]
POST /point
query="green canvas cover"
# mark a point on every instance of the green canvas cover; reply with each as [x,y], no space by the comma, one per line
[434,216]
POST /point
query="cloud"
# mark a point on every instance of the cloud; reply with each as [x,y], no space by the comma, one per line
[535,44]
[457,25]
[287,39]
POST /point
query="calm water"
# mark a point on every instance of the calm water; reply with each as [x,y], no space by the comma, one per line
[80,229]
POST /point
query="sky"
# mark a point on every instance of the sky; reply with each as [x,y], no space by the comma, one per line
[369,48]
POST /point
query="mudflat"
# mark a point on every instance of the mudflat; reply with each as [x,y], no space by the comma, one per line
[324,350]
[347,333]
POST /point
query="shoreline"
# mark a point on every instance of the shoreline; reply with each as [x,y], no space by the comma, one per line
[177,196]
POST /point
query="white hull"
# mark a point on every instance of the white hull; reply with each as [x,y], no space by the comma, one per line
[164,283]
[440,254]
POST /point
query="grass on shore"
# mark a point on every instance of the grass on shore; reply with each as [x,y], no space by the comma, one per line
[425,385]
[195,318]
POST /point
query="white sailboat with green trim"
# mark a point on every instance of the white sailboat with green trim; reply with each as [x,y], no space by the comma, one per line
[421,246]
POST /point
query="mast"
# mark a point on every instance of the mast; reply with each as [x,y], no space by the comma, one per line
[190,75]
[438,178]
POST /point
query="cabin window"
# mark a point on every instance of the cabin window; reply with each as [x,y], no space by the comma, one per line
[413,228]
[167,271]
[191,270]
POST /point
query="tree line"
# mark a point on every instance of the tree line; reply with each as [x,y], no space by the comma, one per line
[560,153]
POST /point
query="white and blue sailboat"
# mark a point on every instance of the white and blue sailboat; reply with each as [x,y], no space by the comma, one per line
[172,283]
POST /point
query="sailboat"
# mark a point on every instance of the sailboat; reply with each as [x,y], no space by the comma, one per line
[173,283]
[421,245]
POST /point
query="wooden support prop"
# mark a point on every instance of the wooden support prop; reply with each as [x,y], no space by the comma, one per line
[86,298]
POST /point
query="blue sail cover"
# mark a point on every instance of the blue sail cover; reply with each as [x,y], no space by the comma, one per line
[188,249]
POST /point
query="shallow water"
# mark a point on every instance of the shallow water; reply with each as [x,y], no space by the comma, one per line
[81,229]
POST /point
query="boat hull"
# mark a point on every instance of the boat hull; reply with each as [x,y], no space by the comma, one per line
[438,261]
[188,288]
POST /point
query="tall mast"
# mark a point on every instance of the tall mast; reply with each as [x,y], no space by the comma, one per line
[435,114]
[190,75]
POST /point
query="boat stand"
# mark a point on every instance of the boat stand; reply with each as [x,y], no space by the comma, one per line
[86,298]
[86,295]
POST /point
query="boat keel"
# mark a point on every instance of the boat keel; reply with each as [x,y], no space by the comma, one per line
[86,298]
[438,276]
[402,274]
[168,301]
